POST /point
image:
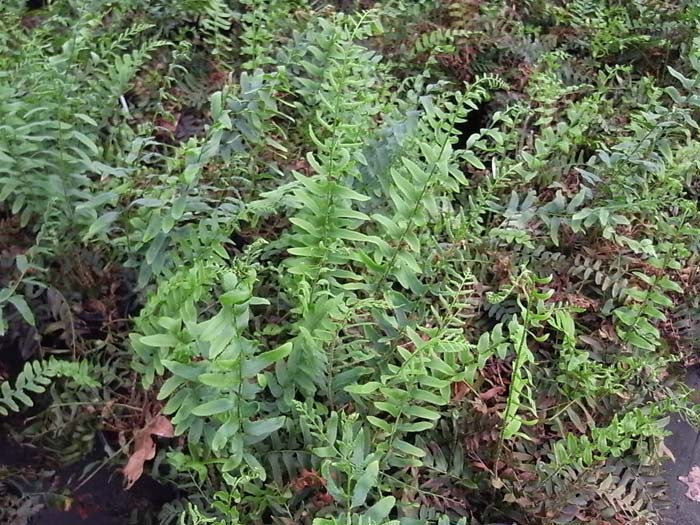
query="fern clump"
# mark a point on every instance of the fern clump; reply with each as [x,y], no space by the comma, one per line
[348,287]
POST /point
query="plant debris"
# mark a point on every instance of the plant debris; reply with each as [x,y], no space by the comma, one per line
[692,480]
[144,448]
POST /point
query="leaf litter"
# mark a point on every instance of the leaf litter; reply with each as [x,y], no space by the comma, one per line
[145,448]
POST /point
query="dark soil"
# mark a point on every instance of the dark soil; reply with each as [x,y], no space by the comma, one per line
[67,500]
[103,501]
[685,446]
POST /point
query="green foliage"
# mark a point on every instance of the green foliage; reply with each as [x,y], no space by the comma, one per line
[52,108]
[326,223]
[369,294]
[217,374]
[36,376]
[609,28]
[439,41]
[532,315]
[263,22]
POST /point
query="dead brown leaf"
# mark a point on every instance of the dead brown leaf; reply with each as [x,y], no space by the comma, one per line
[665,451]
[459,391]
[145,447]
[491,393]
[692,480]
[479,406]
[582,301]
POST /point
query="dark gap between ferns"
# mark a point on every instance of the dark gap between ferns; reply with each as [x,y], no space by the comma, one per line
[63,497]
[35,4]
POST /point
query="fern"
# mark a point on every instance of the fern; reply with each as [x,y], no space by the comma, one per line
[193,327]
[36,376]
[438,41]
[47,141]
[334,318]
[162,230]
[263,22]
[418,183]
[326,221]
[520,328]
[645,307]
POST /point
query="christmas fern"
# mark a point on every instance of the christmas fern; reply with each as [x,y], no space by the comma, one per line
[326,223]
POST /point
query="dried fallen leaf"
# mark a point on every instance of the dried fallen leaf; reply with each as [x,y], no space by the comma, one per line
[160,426]
[582,301]
[665,451]
[693,482]
[308,478]
[479,406]
[459,391]
[491,393]
[145,448]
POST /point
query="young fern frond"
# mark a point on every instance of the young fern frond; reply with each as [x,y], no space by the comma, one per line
[645,306]
[217,16]
[345,107]
[533,312]
[194,327]
[441,40]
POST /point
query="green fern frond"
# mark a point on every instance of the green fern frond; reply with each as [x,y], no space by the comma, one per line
[420,181]
[264,22]
[36,376]
[439,41]
[327,222]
